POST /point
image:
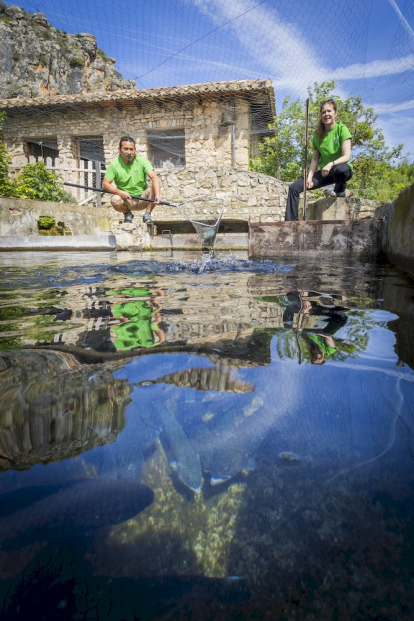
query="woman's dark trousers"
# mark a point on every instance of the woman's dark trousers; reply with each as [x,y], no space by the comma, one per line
[339,176]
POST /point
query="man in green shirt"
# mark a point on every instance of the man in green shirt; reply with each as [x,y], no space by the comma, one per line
[126,176]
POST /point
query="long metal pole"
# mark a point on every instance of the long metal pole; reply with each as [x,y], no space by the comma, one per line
[98,183]
[305,164]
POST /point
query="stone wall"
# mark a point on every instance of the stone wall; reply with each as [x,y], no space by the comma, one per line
[19,217]
[247,195]
[399,245]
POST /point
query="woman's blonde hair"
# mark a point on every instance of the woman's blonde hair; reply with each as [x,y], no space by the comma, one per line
[320,129]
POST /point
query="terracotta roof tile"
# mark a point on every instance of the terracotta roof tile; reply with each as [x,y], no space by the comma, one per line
[135,94]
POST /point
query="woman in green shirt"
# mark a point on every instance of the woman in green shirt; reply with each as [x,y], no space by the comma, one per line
[331,153]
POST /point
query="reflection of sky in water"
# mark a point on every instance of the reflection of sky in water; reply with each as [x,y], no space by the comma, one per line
[304,478]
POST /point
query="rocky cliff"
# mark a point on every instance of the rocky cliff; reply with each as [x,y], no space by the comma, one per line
[37,59]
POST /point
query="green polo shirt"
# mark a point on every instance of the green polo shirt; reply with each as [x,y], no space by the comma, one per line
[330,147]
[131,179]
[139,330]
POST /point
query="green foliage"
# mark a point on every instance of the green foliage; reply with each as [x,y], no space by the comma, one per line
[6,185]
[36,182]
[76,62]
[388,182]
[282,154]
[101,54]
[46,222]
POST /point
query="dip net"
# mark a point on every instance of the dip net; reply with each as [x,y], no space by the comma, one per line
[206,231]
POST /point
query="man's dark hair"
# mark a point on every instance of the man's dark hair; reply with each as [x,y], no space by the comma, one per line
[126,139]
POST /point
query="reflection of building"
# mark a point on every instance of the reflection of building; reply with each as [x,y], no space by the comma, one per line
[53,408]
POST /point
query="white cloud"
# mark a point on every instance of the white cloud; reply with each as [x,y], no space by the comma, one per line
[376,68]
[293,66]
[391,108]
[290,65]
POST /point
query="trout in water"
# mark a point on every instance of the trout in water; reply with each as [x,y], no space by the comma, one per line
[210,378]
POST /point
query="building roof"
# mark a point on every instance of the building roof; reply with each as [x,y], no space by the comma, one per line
[260,90]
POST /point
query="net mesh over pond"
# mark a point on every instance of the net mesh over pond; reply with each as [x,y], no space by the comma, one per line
[205,89]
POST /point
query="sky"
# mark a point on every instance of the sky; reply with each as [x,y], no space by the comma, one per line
[366,46]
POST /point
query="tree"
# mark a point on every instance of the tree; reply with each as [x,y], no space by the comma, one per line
[282,154]
[6,185]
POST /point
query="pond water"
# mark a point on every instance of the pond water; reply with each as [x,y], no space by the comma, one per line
[205,437]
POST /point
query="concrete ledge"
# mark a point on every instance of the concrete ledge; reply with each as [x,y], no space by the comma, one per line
[67,242]
[19,217]
[357,237]
[190,241]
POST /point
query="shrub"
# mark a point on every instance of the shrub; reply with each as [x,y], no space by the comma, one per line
[46,222]
[76,62]
[36,182]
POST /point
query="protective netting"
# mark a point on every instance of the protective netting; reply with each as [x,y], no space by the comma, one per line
[197,82]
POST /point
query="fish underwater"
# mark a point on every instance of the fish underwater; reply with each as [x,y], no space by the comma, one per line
[205,378]
[178,449]
[228,441]
[85,504]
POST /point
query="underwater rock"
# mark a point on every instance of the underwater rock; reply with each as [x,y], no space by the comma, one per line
[75,593]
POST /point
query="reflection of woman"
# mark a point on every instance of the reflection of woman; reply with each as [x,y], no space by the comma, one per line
[321,346]
[332,152]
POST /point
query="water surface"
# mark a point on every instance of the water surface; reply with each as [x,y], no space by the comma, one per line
[189,434]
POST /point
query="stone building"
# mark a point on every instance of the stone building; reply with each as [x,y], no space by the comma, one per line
[214,124]
[199,138]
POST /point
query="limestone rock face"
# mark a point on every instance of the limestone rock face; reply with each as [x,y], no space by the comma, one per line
[38,60]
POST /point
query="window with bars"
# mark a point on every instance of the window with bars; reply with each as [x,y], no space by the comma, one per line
[42,148]
[91,149]
[166,147]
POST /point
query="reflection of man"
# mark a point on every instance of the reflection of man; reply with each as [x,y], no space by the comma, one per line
[136,322]
[129,173]
[130,318]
